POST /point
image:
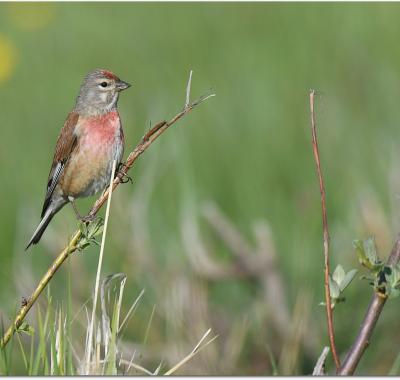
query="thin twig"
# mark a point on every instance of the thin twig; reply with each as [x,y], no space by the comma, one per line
[146,141]
[329,313]
[99,265]
[368,324]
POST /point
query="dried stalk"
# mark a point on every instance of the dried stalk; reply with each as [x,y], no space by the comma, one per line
[146,141]
[329,312]
[89,344]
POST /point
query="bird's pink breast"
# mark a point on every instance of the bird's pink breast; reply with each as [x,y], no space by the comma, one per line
[100,142]
[101,129]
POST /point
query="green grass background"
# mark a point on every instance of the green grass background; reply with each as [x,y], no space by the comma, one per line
[248,150]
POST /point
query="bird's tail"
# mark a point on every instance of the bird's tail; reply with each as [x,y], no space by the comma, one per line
[47,217]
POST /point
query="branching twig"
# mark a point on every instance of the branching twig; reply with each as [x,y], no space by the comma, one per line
[146,141]
[378,300]
[329,313]
[374,310]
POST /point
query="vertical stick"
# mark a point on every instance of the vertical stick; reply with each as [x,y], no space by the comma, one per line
[329,312]
[96,289]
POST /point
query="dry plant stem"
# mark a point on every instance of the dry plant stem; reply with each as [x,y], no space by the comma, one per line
[374,310]
[147,140]
[329,312]
[96,288]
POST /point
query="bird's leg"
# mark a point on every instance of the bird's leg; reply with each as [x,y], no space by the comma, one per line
[24,302]
[85,219]
[121,170]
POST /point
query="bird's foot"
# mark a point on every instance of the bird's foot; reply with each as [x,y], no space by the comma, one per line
[24,302]
[87,218]
[84,219]
[124,178]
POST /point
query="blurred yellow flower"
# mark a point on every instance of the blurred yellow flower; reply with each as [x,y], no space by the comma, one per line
[31,16]
[7,58]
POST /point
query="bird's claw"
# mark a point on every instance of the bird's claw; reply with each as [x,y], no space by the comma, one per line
[87,218]
[120,166]
[24,302]
[124,178]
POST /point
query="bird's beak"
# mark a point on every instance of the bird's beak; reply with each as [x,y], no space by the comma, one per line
[121,85]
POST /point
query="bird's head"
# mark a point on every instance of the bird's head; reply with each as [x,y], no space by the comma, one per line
[99,92]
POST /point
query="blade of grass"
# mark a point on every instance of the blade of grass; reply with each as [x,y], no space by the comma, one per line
[148,325]
[111,360]
[60,341]
[137,367]
[273,361]
[111,368]
[394,371]
[69,364]
[158,369]
[130,311]
[53,352]
[41,355]
[22,350]
[32,355]
[195,351]
[4,370]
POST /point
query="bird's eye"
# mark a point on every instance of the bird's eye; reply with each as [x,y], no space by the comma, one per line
[103,84]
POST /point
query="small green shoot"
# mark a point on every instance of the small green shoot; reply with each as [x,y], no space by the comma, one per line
[385,279]
[367,253]
[89,233]
[338,282]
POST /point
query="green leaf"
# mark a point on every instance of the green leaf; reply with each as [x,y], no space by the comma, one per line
[394,293]
[338,275]
[348,278]
[27,329]
[371,250]
[392,276]
[334,288]
[368,254]
[360,251]
[89,233]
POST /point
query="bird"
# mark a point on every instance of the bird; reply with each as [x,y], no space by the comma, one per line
[90,141]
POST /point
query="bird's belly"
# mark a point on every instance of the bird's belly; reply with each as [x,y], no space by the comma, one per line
[90,170]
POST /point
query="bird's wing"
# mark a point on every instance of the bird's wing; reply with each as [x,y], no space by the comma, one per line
[66,143]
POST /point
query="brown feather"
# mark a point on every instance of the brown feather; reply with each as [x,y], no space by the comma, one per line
[66,140]
[66,143]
